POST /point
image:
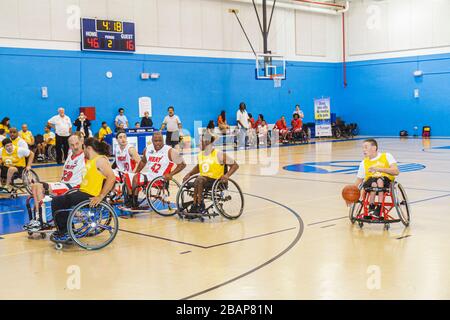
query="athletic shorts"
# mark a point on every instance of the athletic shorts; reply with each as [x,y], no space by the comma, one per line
[56,188]
[4,172]
[368,183]
[124,177]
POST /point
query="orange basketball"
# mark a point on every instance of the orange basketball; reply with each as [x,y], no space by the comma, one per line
[351,193]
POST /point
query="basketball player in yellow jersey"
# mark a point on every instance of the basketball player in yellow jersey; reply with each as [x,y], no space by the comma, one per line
[376,170]
[98,180]
[211,166]
[13,161]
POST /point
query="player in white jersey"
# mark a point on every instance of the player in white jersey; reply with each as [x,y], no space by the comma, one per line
[70,178]
[126,158]
[158,160]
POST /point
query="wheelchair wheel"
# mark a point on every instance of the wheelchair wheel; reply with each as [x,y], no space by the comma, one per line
[401,203]
[228,199]
[28,178]
[355,209]
[51,153]
[185,195]
[92,228]
[162,196]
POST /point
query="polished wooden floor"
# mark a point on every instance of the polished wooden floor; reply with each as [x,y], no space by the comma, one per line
[294,240]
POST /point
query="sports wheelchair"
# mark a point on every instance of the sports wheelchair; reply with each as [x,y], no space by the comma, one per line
[394,198]
[225,199]
[159,195]
[299,136]
[27,178]
[91,228]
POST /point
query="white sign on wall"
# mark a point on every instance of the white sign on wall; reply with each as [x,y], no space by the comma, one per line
[145,104]
[322,116]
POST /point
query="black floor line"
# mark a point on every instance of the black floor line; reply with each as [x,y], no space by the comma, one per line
[162,238]
[184,252]
[291,245]
[327,226]
[404,237]
[318,222]
[252,237]
[211,246]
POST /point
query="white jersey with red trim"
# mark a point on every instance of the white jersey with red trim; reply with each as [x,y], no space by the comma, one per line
[73,169]
[158,162]
[124,162]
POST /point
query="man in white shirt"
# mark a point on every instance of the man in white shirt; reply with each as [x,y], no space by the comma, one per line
[121,120]
[242,124]
[377,170]
[63,129]
[173,124]
[299,112]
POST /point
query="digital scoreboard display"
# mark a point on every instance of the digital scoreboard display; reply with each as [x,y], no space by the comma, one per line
[107,35]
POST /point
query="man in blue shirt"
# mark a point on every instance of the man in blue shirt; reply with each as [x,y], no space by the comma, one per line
[121,119]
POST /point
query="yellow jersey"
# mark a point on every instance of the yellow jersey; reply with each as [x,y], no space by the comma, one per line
[50,138]
[103,132]
[13,159]
[26,136]
[92,182]
[209,165]
[380,162]
[4,127]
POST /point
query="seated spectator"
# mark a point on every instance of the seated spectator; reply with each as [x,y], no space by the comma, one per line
[146,121]
[210,127]
[121,120]
[281,128]
[83,124]
[251,130]
[222,123]
[2,135]
[296,123]
[259,120]
[137,124]
[263,131]
[5,125]
[27,136]
[49,140]
[104,130]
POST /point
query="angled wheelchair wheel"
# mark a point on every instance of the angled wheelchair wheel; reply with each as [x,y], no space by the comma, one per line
[92,228]
[401,203]
[51,153]
[162,196]
[28,178]
[228,199]
[355,209]
[185,195]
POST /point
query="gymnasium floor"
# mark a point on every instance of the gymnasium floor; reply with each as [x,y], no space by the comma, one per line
[294,240]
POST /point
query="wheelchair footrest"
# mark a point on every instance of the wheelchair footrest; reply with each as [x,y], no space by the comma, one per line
[377,220]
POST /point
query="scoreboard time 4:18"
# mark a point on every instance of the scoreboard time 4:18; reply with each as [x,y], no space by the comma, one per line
[107,35]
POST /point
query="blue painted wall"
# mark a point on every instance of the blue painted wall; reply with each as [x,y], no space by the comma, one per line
[198,88]
[379,96]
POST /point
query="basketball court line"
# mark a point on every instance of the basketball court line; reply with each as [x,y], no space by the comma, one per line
[325,181]
[291,245]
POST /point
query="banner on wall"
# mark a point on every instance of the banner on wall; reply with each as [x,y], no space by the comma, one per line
[322,116]
[145,104]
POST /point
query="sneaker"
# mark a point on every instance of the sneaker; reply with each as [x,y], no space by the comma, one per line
[58,237]
[33,225]
[371,209]
[377,212]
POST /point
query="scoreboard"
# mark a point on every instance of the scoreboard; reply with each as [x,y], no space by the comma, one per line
[107,35]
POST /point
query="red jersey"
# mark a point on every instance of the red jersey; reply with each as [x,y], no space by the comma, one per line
[280,125]
[296,124]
